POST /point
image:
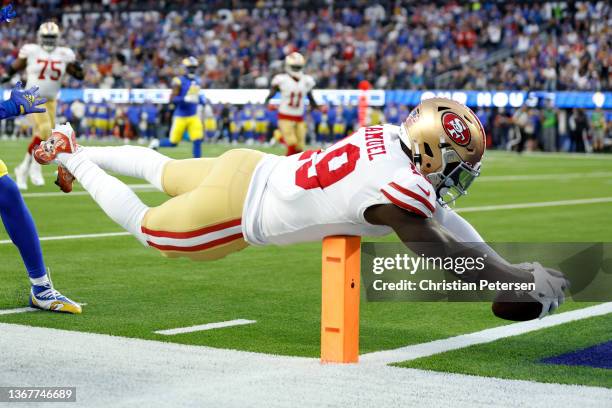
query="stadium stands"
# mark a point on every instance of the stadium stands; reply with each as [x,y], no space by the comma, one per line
[488,45]
[516,45]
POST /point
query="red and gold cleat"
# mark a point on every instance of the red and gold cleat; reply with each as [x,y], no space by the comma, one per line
[64,179]
[62,140]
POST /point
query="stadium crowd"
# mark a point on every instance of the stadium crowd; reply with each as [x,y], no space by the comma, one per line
[393,44]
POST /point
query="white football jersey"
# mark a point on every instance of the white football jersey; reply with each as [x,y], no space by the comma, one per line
[306,197]
[292,95]
[46,69]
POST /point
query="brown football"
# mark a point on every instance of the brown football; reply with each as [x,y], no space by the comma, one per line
[516,306]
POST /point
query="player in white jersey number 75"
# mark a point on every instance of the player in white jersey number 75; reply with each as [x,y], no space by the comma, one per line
[45,64]
[381,179]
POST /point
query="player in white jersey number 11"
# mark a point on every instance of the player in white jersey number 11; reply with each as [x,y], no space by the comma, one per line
[293,85]
[45,64]
[380,180]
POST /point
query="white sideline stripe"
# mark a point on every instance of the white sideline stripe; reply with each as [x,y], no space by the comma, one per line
[79,236]
[18,310]
[207,326]
[198,240]
[484,336]
[125,372]
[144,188]
[534,205]
[528,177]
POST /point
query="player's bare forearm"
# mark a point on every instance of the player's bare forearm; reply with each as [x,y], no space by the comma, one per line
[17,65]
[75,69]
[273,92]
[418,233]
[311,101]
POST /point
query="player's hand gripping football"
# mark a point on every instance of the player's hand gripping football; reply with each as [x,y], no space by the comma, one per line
[27,100]
[549,286]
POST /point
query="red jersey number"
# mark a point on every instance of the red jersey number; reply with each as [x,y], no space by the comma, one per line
[295,99]
[56,72]
[324,176]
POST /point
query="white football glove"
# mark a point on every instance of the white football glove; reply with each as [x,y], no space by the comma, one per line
[549,286]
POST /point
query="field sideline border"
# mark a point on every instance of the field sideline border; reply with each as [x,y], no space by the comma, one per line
[202,376]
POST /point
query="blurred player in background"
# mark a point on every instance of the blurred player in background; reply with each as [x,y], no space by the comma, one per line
[210,122]
[339,124]
[186,98]
[293,86]
[46,64]
[15,215]
[247,121]
[104,119]
[321,123]
[261,123]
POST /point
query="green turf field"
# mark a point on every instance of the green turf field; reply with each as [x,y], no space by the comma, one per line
[132,291]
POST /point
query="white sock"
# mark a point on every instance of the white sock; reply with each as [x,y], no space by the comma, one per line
[133,161]
[115,198]
[27,160]
[42,281]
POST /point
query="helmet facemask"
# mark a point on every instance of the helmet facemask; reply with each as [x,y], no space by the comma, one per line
[48,41]
[191,72]
[48,36]
[294,64]
[455,178]
[295,70]
[190,65]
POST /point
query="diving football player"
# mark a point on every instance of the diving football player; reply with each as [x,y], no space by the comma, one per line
[379,180]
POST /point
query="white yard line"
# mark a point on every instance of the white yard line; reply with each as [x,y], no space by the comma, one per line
[530,177]
[534,205]
[78,236]
[18,310]
[207,326]
[485,336]
[144,188]
[110,371]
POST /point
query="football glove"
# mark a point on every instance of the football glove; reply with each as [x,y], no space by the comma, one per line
[549,286]
[27,100]
[7,14]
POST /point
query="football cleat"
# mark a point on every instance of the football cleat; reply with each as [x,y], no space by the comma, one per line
[64,179]
[62,140]
[47,298]
[36,176]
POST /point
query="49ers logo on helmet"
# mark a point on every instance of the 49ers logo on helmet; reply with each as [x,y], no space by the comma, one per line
[456,128]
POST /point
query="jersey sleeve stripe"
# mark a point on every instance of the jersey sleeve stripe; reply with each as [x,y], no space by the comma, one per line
[404,205]
[192,234]
[414,195]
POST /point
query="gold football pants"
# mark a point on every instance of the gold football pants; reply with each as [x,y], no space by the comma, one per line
[203,219]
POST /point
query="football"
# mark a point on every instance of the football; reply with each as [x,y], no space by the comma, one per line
[516,306]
